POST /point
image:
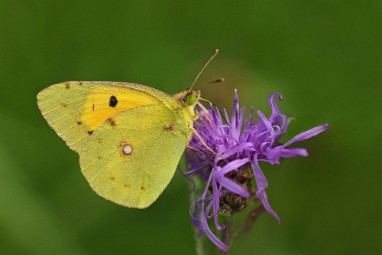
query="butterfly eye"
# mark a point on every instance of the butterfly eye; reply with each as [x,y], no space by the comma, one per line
[190,99]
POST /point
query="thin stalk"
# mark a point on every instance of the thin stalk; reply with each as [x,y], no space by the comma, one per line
[203,245]
[227,232]
[249,221]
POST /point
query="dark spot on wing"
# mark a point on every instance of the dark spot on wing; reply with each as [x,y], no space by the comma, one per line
[90,132]
[112,122]
[79,123]
[113,101]
[170,127]
[112,178]
[93,107]
[64,105]
[143,188]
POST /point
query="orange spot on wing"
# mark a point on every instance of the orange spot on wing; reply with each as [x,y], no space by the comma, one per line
[97,107]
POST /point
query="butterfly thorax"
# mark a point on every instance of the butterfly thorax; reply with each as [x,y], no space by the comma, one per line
[187,100]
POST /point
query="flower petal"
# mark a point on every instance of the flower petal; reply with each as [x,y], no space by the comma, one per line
[262,184]
[307,134]
[266,122]
[273,105]
[236,149]
[206,229]
[215,202]
[235,164]
[274,154]
[289,153]
[233,187]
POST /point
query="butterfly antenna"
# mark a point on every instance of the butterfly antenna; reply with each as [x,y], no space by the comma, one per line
[204,67]
[215,81]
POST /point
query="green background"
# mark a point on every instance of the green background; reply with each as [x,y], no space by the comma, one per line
[323,56]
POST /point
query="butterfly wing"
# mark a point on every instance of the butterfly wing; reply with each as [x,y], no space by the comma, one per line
[131,161]
[75,109]
[130,137]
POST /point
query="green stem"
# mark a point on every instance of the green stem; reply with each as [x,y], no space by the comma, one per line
[203,245]
[227,232]
[249,221]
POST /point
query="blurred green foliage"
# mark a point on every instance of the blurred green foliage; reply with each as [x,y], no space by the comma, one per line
[324,57]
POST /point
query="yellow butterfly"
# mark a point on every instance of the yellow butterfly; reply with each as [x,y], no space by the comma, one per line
[130,137]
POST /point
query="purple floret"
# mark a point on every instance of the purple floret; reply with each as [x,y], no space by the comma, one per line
[235,145]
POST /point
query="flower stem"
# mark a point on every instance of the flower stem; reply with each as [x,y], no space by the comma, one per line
[249,221]
[227,232]
[204,246]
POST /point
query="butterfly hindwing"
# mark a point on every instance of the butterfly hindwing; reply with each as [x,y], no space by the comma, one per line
[130,162]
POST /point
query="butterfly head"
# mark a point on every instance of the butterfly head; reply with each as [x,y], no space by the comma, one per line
[191,97]
[188,98]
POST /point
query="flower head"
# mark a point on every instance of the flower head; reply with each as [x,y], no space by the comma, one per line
[226,153]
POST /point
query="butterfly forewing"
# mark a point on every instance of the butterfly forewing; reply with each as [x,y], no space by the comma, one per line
[75,109]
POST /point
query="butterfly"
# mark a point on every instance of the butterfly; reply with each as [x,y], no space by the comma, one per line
[130,137]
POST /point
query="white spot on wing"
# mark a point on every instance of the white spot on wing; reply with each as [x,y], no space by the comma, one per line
[127,149]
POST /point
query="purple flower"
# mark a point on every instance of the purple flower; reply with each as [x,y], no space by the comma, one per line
[226,154]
